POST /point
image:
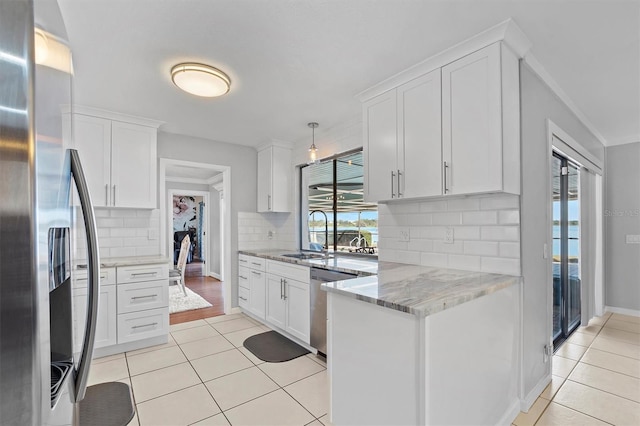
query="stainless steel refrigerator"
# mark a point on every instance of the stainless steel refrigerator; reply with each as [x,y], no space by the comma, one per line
[41,380]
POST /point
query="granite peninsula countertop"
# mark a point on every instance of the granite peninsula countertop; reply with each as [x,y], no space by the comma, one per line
[420,290]
[111,262]
[340,263]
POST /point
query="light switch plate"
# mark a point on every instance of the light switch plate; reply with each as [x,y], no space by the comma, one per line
[403,236]
[633,239]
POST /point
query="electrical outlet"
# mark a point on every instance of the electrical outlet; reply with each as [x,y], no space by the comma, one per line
[404,235]
[448,236]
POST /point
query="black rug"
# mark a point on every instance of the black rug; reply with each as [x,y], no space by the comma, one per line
[273,347]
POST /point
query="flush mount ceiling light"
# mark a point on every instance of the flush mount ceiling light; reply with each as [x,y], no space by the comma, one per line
[313,151]
[200,79]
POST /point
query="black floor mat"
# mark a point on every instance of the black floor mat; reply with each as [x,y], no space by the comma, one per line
[106,404]
[273,347]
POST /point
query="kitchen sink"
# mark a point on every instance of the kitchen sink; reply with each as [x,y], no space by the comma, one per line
[304,256]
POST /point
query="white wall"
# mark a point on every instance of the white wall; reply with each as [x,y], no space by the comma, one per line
[486,233]
[243,163]
[622,218]
[538,103]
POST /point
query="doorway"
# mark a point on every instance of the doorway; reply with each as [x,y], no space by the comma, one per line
[190,217]
[565,178]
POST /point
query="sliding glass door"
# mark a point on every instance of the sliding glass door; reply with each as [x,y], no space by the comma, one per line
[566,247]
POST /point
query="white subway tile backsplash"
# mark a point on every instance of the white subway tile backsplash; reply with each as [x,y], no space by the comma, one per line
[103,222]
[499,202]
[463,204]
[122,252]
[500,265]
[480,218]
[134,222]
[500,233]
[438,260]
[468,263]
[511,250]
[147,251]
[135,242]
[448,218]
[433,206]
[253,231]
[509,217]
[110,242]
[485,228]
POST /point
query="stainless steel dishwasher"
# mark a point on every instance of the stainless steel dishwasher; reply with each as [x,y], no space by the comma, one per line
[319,305]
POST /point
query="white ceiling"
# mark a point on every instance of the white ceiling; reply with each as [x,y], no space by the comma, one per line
[296,61]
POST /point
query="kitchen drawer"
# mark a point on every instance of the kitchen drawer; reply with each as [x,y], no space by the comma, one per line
[143,325]
[287,270]
[244,276]
[252,262]
[107,277]
[140,273]
[243,297]
[141,296]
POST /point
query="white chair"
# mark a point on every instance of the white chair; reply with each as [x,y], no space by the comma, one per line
[177,274]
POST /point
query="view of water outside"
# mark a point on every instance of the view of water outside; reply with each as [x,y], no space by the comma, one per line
[367,232]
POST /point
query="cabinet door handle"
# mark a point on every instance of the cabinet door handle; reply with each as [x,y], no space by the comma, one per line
[284,291]
[399,193]
[113,202]
[281,291]
[392,176]
[106,194]
[269,202]
[144,297]
[145,325]
[446,166]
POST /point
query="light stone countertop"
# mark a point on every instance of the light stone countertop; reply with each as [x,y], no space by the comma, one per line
[111,262]
[341,263]
[420,290]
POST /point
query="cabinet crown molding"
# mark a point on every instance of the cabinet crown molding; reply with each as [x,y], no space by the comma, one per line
[110,115]
[274,142]
[507,32]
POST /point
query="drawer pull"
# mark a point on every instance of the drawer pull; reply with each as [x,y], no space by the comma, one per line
[257,264]
[256,273]
[144,297]
[140,274]
[243,298]
[145,325]
[85,278]
[240,276]
[243,261]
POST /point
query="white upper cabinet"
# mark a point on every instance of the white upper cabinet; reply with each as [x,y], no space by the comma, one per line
[452,131]
[119,161]
[480,143]
[274,184]
[380,147]
[402,141]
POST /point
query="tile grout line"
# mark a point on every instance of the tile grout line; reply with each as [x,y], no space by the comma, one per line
[572,409]
[604,391]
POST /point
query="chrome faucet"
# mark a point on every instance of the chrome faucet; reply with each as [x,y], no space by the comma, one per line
[325,247]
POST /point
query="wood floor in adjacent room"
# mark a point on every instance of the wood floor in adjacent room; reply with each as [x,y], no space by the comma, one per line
[209,288]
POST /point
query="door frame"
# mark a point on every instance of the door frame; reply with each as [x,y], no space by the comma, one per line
[225,261]
[560,141]
[169,206]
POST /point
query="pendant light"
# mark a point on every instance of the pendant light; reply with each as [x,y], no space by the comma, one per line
[313,151]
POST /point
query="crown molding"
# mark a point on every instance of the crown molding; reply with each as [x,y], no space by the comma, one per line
[506,31]
[541,72]
[624,141]
[110,115]
[195,181]
[275,142]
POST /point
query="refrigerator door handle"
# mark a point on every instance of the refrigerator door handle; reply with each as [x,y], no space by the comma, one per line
[93,273]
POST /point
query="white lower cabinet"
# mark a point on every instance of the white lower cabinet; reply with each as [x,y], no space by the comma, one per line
[277,293]
[288,298]
[133,306]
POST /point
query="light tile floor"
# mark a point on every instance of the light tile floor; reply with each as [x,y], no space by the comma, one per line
[596,377]
[204,376]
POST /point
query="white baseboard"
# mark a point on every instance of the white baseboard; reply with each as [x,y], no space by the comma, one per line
[528,401]
[625,311]
[235,310]
[511,413]
[216,276]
